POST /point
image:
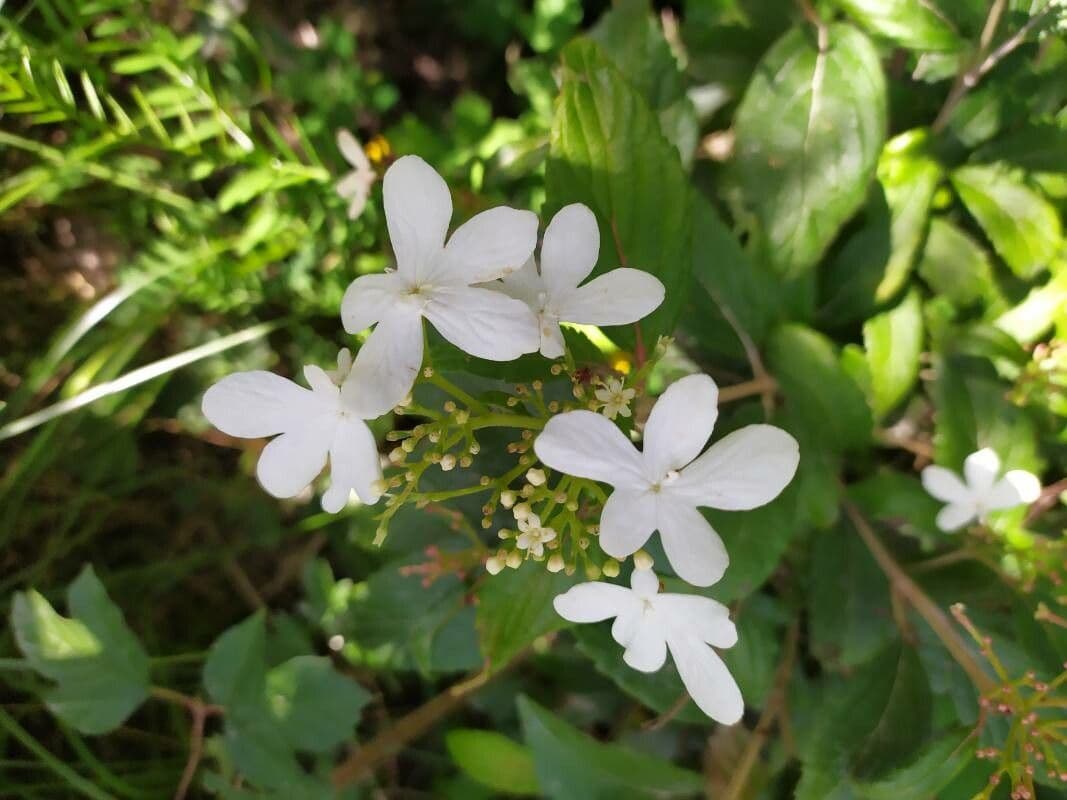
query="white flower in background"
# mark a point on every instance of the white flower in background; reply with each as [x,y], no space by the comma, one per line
[613,399]
[355,186]
[568,254]
[661,487]
[315,425]
[532,536]
[435,280]
[980,492]
[648,624]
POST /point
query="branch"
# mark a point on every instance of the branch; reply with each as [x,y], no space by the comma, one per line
[199,711]
[918,599]
[362,761]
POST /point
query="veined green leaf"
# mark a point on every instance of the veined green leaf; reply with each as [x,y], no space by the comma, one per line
[915,24]
[494,760]
[955,265]
[894,342]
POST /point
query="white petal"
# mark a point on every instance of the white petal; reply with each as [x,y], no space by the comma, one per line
[482,322]
[647,649]
[351,150]
[707,619]
[707,679]
[258,403]
[570,248]
[693,548]
[320,383]
[644,582]
[680,424]
[552,342]
[628,519]
[618,297]
[945,485]
[354,465]
[486,247]
[744,470]
[386,365]
[369,298]
[625,625]
[523,284]
[981,470]
[290,463]
[585,445]
[1015,488]
[595,601]
[418,207]
[955,515]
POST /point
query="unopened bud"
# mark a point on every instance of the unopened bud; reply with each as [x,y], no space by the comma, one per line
[408,445]
[465,461]
[396,455]
[507,498]
[512,402]
[592,572]
[537,386]
[494,565]
[474,449]
[555,563]
[435,436]
[448,462]
[379,486]
[427,372]
[611,568]
[643,560]
[514,559]
[572,505]
[522,511]
[449,406]
[536,476]
[462,417]
[556,369]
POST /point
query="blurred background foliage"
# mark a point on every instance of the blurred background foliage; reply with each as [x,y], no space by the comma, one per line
[863,199]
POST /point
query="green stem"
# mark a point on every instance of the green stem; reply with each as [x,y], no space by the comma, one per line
[445,385]
[448,494]
[76,781]
[15,664]
[507,421]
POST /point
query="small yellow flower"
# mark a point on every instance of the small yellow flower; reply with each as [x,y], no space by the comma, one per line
[613,399]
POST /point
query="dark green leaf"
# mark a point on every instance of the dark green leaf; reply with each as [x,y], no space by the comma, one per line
[607,151]
[1023,227]
[809,131]
[938,763]
[99,665]
[515,607]
[1038,147]
[572,766]
[956,266]
[493,760]
[316,708]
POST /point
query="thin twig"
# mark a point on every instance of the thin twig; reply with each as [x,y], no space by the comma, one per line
[199,711]
[776,705]
[761,385]
[676,708]
[362,761]
[1049,497]
[918,599]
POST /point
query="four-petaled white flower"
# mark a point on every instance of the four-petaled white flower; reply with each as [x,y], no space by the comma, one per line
[355,186]
[314,424]
[647,624]
[532,536]
[661,487]
[568,254]
[437,281]
[980,492]
[614,400]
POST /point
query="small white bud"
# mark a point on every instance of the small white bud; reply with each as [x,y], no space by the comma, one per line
[514,559]
[555,563]
[536,476]
[522,511]
[611,568]
[643,560]
[507,498]
[448,462]
[380,486]
[462,416]
[494,565]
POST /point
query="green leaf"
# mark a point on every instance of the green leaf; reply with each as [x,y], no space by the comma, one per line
[879,720]
[1038,147]
[955,266]
[937,764]
[754,659]
[627,173]
[850,616]
[235,670]
[808,134]
[515,607]
[915,24]
[316,708]
[819,395]
[494,760]
[99,665]
[1038,311]
[894,342]
[572,766]
[1022,226]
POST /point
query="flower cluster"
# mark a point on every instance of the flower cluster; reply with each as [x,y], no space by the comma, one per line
[483,291]
[980,491]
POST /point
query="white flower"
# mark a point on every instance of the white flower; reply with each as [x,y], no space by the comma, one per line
[532,536]
[614,400]
[314,424]
[981,493]
[355,186]
[568,254]
[661,487]
[647,624]
[435,281]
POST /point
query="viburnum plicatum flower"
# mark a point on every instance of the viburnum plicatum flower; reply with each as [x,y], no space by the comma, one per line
[979,492]
[661,487]
[532,537]
[315,425]
[355,186]
[648,624]
[613,399]
[436,280]
[568,254]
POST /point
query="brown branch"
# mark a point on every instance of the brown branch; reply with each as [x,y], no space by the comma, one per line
[918,599]
[362,761]
[762,386]
[676,708]
[776,706]
[199,711]
[1050,495]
